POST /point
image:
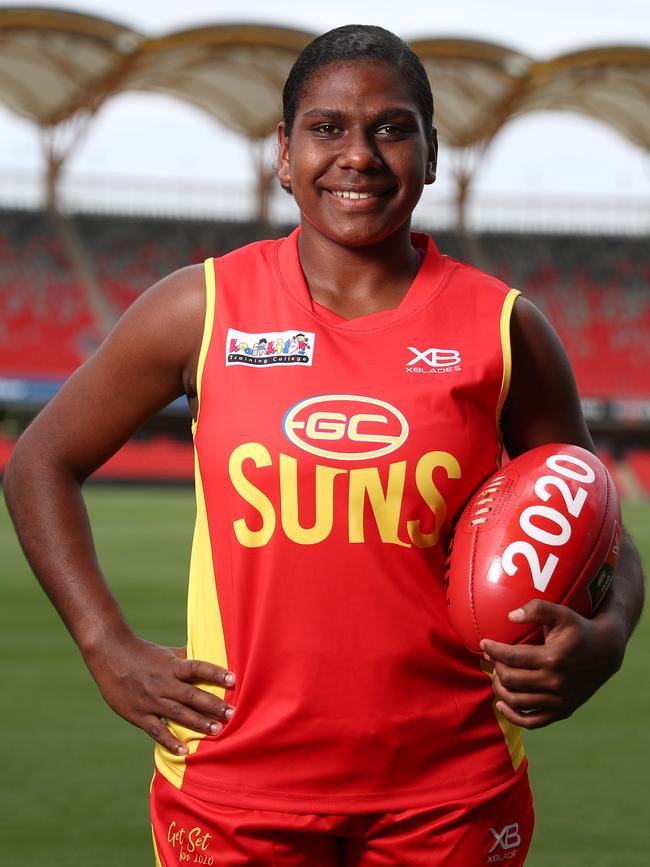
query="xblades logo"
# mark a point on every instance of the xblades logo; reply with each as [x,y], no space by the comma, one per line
[433,360]
[507,840]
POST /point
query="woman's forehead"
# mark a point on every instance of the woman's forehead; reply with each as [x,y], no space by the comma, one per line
[356,82]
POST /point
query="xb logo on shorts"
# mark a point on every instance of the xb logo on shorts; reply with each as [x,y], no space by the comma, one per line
[433,360]
[507,840]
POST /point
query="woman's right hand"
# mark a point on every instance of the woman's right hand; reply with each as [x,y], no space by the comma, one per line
[148,683]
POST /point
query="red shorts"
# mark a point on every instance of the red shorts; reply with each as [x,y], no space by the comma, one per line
[494,828]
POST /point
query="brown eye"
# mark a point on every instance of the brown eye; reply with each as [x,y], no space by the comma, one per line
[325,129]
[391,130]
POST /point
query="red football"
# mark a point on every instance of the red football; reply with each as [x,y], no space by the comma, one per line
[547,525]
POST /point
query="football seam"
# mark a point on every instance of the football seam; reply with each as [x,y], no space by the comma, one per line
[485,484]
[471,584]
[603,522]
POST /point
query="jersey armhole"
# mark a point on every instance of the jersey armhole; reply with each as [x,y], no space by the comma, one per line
[208,324]
[506,353]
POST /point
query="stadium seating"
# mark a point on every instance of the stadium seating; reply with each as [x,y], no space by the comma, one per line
[639,462]
[6,447]
[46,325]
[608,459]
[595,291]
[160,459]
[131,254]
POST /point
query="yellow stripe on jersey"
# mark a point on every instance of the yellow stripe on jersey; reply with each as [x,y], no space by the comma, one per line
[153,833]
[511,733]
[205,639]
[208,324]
[155,849]
[506,313]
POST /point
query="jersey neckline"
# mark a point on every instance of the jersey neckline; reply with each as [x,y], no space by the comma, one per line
[426,284]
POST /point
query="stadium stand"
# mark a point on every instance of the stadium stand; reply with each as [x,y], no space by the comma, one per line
[131,254]
[46,324]
[596,292]
[639,462]
[161,459]
[6,446]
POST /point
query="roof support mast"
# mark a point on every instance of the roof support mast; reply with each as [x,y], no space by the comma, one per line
[59,141]
[264,167]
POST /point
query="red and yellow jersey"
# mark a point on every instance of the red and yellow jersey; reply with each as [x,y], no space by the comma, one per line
[332,458]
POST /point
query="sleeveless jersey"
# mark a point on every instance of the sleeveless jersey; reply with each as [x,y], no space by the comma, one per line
[332,458]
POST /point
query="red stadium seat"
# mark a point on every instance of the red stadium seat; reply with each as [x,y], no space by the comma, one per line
[639,463]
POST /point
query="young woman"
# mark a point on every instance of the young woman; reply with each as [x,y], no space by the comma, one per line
[324,712]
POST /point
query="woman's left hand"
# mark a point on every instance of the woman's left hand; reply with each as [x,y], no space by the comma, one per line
[538,684]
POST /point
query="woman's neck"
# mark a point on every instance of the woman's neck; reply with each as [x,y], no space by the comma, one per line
[357,281]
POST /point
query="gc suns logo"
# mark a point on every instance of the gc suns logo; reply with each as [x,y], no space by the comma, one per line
[345,427]
[433,361]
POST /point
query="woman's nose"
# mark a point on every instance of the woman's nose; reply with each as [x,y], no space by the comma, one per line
[358,152]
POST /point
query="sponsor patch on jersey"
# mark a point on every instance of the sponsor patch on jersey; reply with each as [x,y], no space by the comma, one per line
[345,427]
[269,348]
[433,360]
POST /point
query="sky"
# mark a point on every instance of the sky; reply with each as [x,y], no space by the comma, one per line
[541,154]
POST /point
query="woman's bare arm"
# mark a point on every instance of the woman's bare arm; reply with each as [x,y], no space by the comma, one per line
[148,360]
[578,655]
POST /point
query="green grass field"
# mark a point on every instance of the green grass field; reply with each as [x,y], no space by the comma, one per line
[76,776]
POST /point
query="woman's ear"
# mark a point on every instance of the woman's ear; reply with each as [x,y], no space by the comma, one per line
[283,169]
[432,162]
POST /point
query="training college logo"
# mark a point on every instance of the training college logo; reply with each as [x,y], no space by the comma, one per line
[506,843]
[433,361]
[270,348]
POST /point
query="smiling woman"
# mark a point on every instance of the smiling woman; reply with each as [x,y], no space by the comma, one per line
[351,388]
[356,147]
[357,169]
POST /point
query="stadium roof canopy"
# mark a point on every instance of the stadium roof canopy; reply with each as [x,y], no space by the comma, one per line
[58,67]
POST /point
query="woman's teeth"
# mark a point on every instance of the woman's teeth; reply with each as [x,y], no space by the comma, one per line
[350,194]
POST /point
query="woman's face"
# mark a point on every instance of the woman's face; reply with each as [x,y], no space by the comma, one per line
[358,154]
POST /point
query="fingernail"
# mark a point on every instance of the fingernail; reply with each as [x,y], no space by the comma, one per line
[181,750]
[482,645]
[229,679]
[230,712]
[499,706]
[215,728]
[517,614]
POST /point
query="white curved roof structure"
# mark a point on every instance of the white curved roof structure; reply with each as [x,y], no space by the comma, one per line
[57,66]
[54,63]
